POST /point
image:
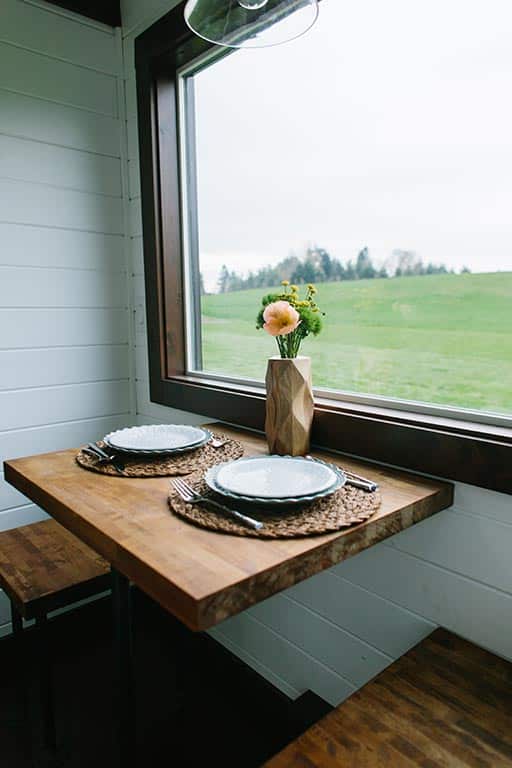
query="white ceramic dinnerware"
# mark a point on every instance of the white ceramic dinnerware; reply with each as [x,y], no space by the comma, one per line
[275,479]
[158,438]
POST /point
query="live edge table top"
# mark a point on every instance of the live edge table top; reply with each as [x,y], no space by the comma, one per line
[199,576]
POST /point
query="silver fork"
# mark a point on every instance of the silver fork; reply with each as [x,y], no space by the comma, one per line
[105,458]
[188,494]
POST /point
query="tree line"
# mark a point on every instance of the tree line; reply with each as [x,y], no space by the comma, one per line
[318,266]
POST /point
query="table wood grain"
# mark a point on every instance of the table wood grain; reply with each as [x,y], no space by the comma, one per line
[199,576]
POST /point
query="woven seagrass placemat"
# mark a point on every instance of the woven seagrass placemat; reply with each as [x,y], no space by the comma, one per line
[180,464]
[347,506]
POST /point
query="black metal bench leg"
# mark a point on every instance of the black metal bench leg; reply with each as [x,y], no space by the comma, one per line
[43,654]
[124,699]
[21,662]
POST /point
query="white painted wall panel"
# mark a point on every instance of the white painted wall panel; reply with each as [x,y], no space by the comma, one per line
[24,368]
[379,622]
[474,546]
[72,434]
[134,178]
[64,317]
[28,328]
[38,204]
[47,78]
[45,30]
[137,256]
[35,118]
[24,408]
[463,605]
[478,501]
[28,287]
[298,668]
[32,246]
[28,160]
[334,647]
[14,518]
[9,496]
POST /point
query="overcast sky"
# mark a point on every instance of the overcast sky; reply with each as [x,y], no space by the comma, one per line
[389,125]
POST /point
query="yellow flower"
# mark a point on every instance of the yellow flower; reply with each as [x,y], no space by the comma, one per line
[280,318]
[293,288]
[285,282]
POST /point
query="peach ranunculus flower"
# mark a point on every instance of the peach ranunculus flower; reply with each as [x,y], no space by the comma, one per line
[280,318]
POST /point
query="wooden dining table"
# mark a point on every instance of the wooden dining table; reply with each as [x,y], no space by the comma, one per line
[201,577]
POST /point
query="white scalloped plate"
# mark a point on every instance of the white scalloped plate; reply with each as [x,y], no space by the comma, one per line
[275,479]
[158,438]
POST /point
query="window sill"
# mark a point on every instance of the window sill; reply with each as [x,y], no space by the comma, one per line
[468,452]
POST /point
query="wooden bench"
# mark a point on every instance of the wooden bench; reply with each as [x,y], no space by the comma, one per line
[43,567]
[446,703]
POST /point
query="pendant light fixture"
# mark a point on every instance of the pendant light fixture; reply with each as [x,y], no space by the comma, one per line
[250,23]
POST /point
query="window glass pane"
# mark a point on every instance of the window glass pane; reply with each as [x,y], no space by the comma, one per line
[373,157]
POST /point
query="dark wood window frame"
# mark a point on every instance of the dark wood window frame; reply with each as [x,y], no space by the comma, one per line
[465,451]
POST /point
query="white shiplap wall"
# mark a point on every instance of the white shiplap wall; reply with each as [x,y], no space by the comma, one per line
[334,632]
[64,317]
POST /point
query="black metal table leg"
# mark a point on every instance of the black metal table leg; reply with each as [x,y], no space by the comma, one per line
[21,662]
[124,700]
[43,651]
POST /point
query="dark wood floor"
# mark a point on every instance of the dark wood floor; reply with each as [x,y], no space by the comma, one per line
[198,705]
[445,704]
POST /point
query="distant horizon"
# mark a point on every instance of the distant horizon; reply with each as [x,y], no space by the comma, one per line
[210,291]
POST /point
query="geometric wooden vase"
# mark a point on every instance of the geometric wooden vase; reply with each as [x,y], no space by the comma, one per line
[289,411]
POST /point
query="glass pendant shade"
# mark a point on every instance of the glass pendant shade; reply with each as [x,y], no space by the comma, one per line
[250,23]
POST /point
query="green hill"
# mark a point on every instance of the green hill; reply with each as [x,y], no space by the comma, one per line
[440,338]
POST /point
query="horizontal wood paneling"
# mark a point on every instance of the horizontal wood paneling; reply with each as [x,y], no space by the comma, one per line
[44,30]
[474,536]
[14,518]
[9,496]
[24,203]
[266,672]
[24,408]
[478,501]
[131,97]
[134,178]
[64,318]
[325,641]
[29,287]
[137,254]
[33,161]
[377,621]
[135,217]
[133,139]
[24,328]
[36,75]
[32,246]
[298,668]
[27,442]
[21,368]
[466,607]
[163,414]
[33,118]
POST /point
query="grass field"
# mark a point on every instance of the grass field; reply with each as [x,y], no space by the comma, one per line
[443,339]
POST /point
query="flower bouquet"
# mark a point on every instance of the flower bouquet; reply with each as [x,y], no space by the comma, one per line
[289,318]
[289,405]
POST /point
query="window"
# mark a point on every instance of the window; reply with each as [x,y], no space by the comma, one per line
[373,159]
[380,152]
